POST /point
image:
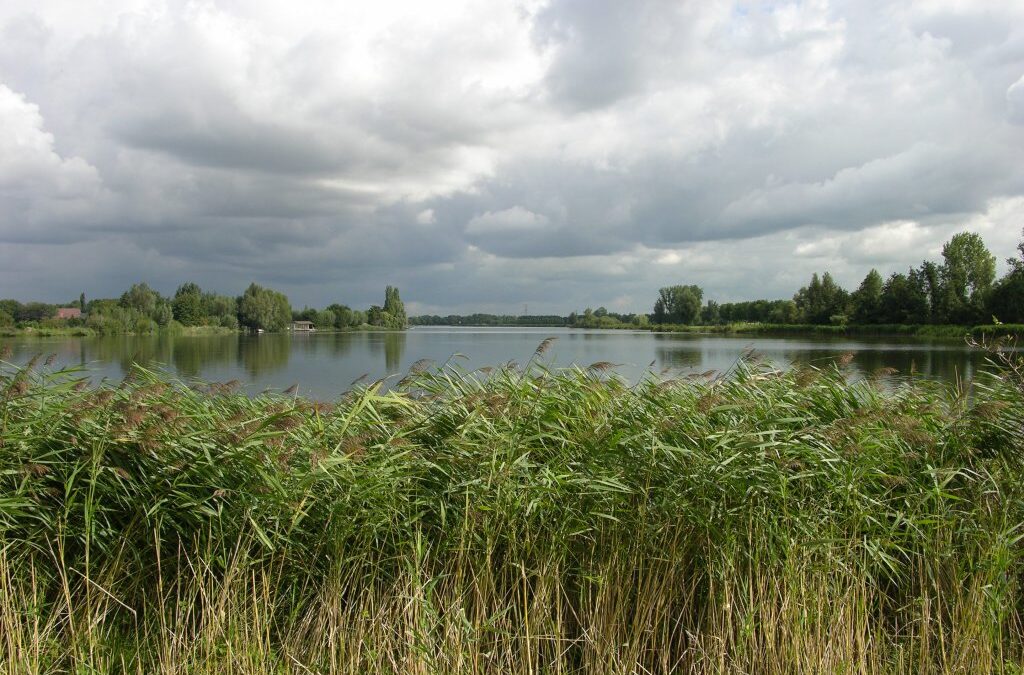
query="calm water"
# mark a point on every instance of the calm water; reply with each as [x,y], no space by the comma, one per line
[325,364]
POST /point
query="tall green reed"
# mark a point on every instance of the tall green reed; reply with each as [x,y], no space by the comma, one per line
[514,520]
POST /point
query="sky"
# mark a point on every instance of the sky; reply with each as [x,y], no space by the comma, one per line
[491,155]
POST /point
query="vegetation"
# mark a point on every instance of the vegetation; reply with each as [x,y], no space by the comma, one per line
[933,299]
[602,318]
[962,291]
[336,316]
[264,309]
[142,310]
[342,317]
[193,307]
[517,521]
[589,318]
[892,330]
[392,314]
[678,304]
[480,319]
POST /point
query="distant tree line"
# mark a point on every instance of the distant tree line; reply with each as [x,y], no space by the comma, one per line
[962,290]
[390,315]
[589,318]
[602,318]
[141,310]
[478,319]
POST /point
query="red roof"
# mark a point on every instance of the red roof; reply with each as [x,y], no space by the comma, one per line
[69,313]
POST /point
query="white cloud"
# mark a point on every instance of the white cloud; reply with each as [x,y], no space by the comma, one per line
[669,258]
[38,187]
[508,221]
[426,217]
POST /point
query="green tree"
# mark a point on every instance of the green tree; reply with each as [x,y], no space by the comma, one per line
[1006,300]
[343,315]
[1018,262]
[141,298]
[867,299]
[163,314]
[904,299]
[678,304]
[394,308]
[218,306]
[967,273]
[81,302]
[35,311]
[263,308]
[11,307]
[188,305]
[822,301]
[931,280]
[712,313]
[783,312]
[324,319]
[376,316]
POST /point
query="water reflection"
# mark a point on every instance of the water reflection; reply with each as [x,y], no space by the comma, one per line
[192,357]
[392,345]
[948,361]
[683,358]
[324,364]
[262,354]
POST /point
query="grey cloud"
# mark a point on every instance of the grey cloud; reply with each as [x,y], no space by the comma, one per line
[922,181]
[1015,101]
[604,51]
[560,150]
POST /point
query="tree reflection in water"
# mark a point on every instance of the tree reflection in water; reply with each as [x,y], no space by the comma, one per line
[326,362]
[264,353]
[393,347]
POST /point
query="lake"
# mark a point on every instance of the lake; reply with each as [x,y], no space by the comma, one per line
[325,364]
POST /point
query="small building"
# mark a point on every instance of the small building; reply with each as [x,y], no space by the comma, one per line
[69,313]
[303,326]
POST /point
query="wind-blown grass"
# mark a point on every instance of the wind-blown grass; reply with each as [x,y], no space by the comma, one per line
[513,521]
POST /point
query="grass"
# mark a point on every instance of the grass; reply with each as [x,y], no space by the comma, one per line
[87,331]
[47,331]
[514,521]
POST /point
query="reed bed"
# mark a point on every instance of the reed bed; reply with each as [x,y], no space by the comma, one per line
[520,520]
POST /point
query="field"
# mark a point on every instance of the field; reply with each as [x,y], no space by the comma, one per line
[519,520]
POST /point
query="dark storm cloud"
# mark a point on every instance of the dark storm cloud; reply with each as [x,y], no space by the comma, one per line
[557,153]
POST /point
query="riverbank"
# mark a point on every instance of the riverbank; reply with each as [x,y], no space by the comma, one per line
[86,331]
[793,330]
[512,523]
[176,330]
[883,330]
[76,331]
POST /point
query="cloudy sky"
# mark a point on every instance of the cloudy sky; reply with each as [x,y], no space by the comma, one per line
[483,155]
